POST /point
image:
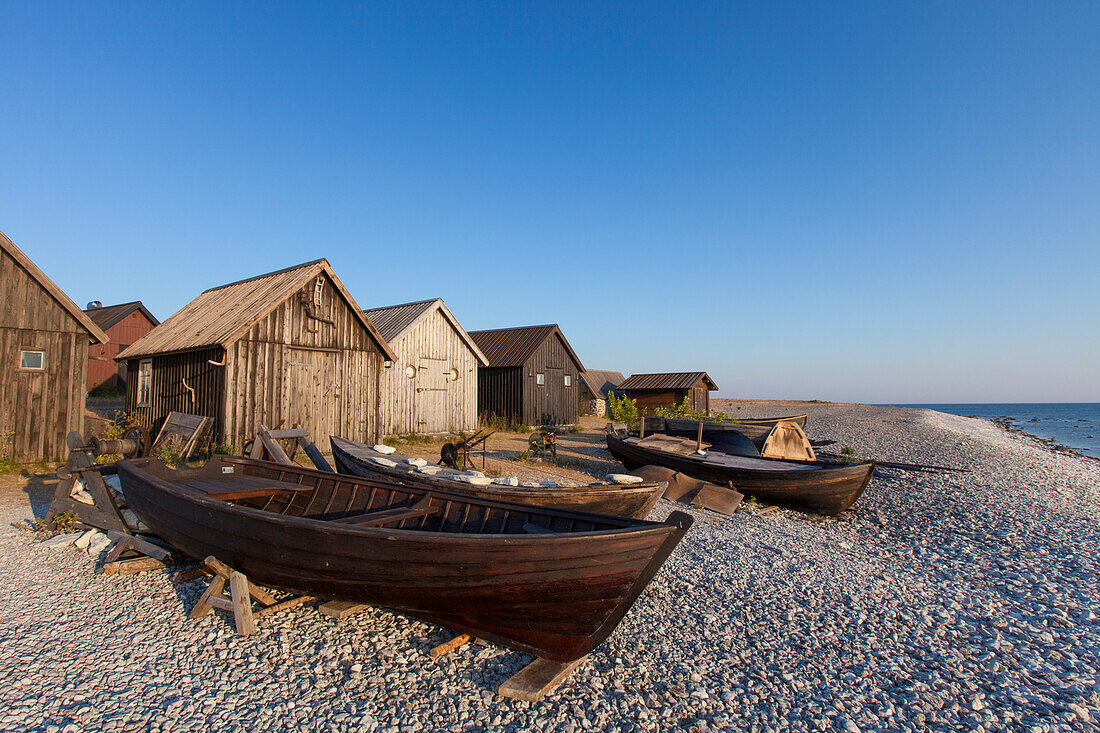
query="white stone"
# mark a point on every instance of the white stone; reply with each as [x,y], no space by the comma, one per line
[384,449]
[416,462]
[428,469]
[98,544]
[61,540]
[83,497]
[506,481]
[81,542]
[474,472]
[624,478]
[384,461]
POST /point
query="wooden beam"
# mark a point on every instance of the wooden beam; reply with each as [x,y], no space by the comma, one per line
[448,646]
[537,679]
[340,610]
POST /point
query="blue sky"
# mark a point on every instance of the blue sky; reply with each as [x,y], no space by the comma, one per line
[879,202]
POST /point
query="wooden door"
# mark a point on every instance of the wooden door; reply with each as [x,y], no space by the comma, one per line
[555,397]
[311,381]
[431,396]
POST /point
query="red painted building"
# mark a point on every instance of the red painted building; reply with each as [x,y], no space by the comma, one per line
[125,324]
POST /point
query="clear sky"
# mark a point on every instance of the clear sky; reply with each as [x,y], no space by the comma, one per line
[882,202]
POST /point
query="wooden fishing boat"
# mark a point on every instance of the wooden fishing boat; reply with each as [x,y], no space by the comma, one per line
[755,429]
[624,500]
[818,486]
[548,582]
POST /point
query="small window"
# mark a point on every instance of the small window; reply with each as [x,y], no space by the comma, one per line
[568,380]
[145,382]
[540,378]
[453,375]
[410,371]
[31,359]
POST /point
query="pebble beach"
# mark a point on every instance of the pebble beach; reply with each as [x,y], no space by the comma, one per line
[942,601]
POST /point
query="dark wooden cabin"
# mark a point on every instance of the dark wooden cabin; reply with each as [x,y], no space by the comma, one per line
[291,347]
[532,377]
[669,390]
[44,341]
[595,385]
[124,324]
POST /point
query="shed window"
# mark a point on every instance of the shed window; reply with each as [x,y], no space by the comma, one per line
[31,359]
[145,382]
[540,378]
[453,375]
[568,380]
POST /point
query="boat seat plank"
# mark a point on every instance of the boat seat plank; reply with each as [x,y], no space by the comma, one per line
[536,529]
[389,516]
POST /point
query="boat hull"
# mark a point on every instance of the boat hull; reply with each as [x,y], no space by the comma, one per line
[555,595]
[634,500]
[824,488]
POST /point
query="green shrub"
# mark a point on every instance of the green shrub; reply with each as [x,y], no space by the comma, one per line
[622,409]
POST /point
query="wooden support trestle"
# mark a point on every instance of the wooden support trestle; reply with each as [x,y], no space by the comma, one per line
[538,679]
[239,600]
[132,554]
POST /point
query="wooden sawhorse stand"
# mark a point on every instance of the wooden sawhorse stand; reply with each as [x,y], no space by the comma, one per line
[239,600]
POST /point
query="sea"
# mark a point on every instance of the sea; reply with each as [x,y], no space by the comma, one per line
[1075,425]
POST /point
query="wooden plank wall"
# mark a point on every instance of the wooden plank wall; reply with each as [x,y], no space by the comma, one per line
[168,393]
[257,372]
[102,369]
[500,392]
[552,403]
[38,408]
[432,342]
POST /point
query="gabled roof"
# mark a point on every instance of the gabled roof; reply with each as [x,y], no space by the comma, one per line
[106,316]
[667,380]
[392,321]
[221,315]
[601,382]
[50,287]
[512,347]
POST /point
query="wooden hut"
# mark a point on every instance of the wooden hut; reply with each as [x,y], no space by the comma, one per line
[288,348]
[669,390]
[124,324]
[44,341]
[595,384]
[531,378]
[432,386]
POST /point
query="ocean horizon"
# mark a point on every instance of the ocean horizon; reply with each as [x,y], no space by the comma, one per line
[1076,425]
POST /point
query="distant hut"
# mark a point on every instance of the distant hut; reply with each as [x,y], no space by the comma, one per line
[124,324]
[44,341]
[287,348]
[669,390]
[532,376]
[432,386]
[595,385]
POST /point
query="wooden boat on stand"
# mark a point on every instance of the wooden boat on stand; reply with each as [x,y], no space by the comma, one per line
[817,486]
[549,582]
[624,500]
[771,438]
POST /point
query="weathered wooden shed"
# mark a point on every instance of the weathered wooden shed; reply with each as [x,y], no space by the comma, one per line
[44,340]
[291,347]
[532,375]
[595,384]
[432,386]
[669,390]
[124,324]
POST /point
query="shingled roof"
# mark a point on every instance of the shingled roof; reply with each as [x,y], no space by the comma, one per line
[600,383]
[50,287]
[392,321]
[667,380]
[512,347]
[221,315]
[106,316]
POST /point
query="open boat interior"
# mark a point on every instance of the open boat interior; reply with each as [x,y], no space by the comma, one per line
[354,502]
[687,448]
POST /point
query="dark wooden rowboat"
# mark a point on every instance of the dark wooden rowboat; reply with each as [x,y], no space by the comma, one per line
[549,582]
[630,500]
[755,429]
[819,486]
